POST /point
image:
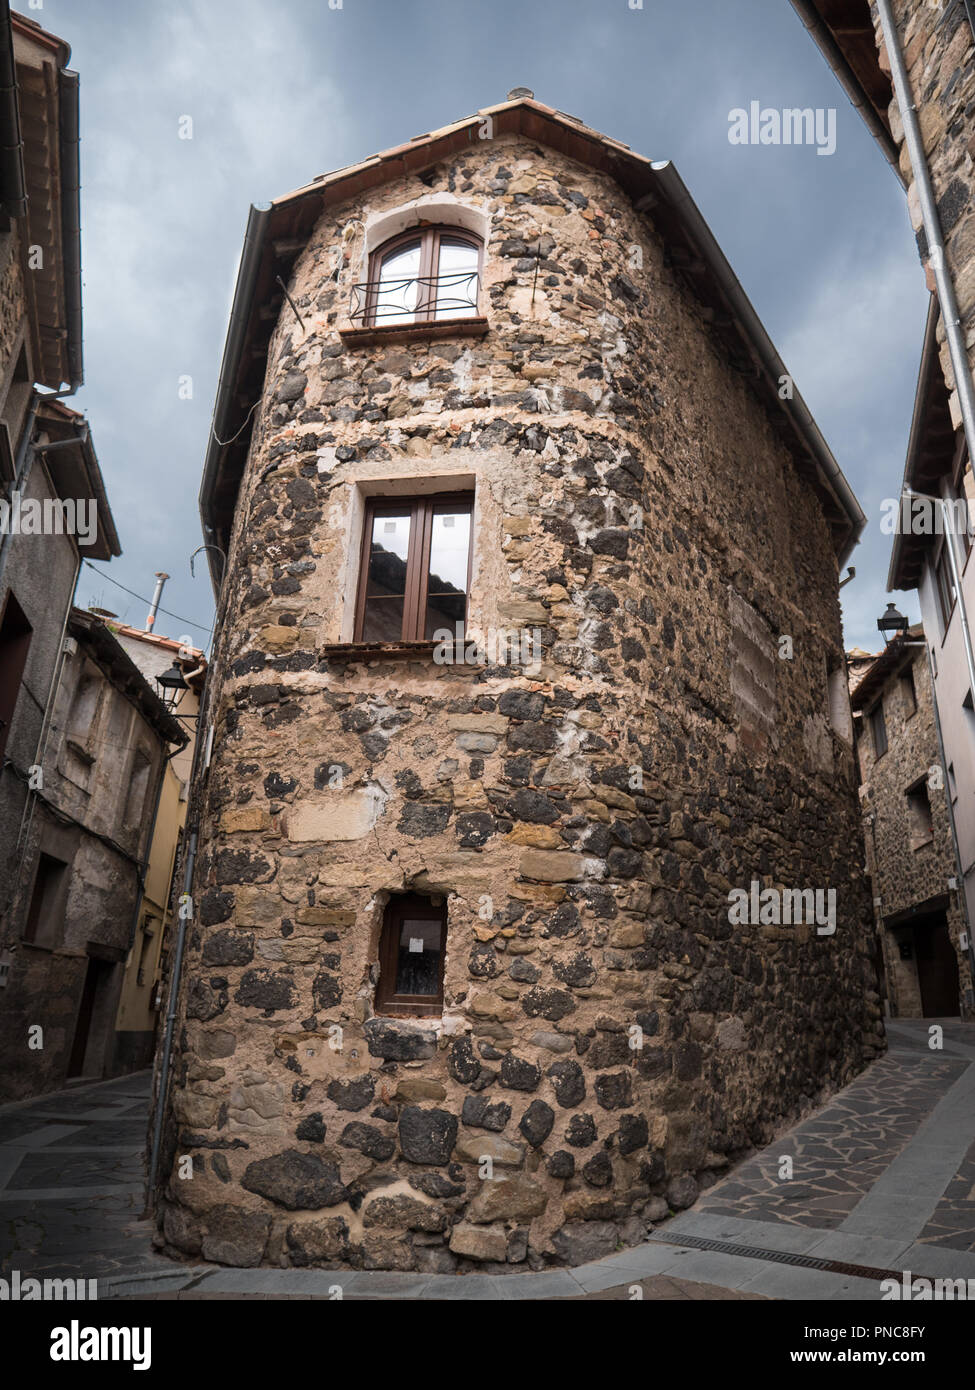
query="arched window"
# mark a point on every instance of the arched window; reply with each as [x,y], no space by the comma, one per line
[423,275]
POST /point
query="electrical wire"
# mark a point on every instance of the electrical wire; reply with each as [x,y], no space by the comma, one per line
[224,442]
[202,627]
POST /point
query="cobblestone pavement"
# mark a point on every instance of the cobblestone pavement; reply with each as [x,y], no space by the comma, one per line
[883,1178]
[838,1154]
[71,1181]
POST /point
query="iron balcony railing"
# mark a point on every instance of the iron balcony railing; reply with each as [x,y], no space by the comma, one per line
[415,299]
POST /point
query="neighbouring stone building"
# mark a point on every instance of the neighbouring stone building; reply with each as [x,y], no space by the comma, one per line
[54,515]
[863,42]
[70,922]
[910,854]
[461,988]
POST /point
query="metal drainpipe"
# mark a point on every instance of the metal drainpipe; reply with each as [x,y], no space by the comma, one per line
[174,983]
[168,1037]
[932,224]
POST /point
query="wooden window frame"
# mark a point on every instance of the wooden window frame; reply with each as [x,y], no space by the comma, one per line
[877,713]
[387,1001]
[422,508]
[429,238]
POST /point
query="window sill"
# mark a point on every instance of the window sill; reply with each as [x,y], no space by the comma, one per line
[922,844]
[386,651]
[404,1012]
[474,327]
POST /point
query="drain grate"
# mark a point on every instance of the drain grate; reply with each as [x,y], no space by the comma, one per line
[782,1257]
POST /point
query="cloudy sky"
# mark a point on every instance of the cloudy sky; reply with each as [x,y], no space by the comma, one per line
[279,92]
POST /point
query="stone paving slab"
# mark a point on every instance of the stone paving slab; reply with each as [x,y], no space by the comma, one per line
[788,1282]
[887,1142]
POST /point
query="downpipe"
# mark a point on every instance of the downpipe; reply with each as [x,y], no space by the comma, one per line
[171,1009]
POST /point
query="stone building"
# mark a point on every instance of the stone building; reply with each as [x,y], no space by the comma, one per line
[54,514]
[867,45]
[84,843]
[463,986]
[907,831]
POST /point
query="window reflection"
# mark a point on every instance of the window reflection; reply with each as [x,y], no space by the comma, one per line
[397,292]
[386,584]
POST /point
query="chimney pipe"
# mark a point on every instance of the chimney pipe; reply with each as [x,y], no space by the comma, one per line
[160,583]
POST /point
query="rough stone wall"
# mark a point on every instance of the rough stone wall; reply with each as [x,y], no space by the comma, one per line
[633,503]
[939,52]
[907,873]
[13,304]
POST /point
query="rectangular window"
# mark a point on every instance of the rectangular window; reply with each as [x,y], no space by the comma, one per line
[909,692]
[959,505]
[15,637]
[411,957]
[920,824]
[415,569]
[946,585]
[879,726]
[46,911]
[135,801]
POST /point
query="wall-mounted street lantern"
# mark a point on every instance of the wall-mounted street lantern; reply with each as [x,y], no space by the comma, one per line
[171,683]
[892,622]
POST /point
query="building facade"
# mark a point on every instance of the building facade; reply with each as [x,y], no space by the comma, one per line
[54,515]
[87,828]
[907,804]
[464,985]
[866,44]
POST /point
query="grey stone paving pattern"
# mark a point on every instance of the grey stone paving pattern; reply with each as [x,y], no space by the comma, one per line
[952,1222]
[841,1152]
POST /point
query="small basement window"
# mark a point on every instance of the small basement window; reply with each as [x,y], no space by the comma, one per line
[412,949]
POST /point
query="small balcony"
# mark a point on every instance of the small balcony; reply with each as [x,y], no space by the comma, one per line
[417,306]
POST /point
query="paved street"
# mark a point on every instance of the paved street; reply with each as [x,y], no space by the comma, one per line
[883,1180]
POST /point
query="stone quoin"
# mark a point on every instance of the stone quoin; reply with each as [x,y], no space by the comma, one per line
[544,858]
